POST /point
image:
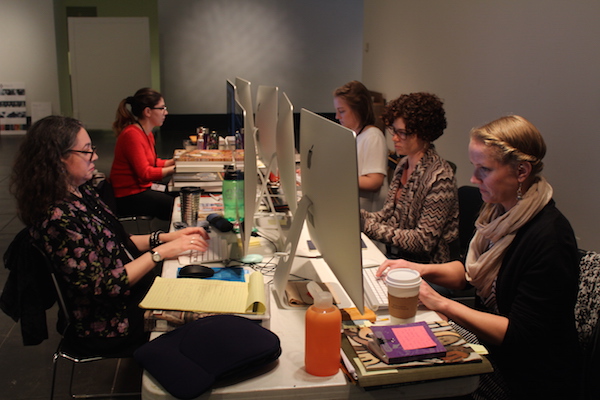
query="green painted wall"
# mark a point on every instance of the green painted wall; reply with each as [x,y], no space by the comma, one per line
[103,8]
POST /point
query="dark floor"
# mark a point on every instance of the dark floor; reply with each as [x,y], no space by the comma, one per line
[26,371]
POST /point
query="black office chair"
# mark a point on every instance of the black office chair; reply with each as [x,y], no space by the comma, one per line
[69,351]
[134,224]
[469,205]
[587,310]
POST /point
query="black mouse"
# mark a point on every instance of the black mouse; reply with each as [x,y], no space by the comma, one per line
[196,271]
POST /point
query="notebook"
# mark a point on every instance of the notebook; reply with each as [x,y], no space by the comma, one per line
[375,290]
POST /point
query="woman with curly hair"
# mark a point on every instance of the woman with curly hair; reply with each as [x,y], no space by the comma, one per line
[419,220]
[354,109]
[135,165]
[104,272]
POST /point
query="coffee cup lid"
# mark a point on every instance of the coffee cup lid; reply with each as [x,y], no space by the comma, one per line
[403,277]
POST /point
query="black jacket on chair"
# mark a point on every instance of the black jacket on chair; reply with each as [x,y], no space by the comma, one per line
[28,291]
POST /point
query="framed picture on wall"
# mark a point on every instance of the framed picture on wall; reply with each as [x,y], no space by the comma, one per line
[13,110]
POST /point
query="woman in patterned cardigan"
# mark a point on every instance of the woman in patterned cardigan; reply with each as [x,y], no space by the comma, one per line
[419,220]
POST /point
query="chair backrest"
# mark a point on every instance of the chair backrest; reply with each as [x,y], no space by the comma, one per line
[64,319]
[469,205]
[587,306]
[587,309]
[107,194]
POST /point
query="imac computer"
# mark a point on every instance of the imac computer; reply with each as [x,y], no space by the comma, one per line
[240,121]
[329,205]
[234,123]
[250,178]
[266,123]
[244,95]
[267,103]
[286,151]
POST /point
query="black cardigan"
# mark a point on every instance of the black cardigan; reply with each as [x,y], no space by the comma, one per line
[536,289]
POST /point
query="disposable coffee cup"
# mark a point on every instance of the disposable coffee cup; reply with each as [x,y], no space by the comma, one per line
[190,204]
[403,294]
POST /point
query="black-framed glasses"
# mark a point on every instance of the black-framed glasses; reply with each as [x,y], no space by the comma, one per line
[401,133]
[163,108]
[91,153]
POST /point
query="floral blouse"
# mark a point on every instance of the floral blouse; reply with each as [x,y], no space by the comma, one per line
[82,239]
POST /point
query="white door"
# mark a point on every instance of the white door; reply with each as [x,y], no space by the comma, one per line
[110,60]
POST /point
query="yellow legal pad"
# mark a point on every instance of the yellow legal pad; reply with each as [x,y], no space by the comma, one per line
[207,295]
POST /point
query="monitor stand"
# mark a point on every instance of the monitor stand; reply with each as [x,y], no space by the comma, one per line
[284,265]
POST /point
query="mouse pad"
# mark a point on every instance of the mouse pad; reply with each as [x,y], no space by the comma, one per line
[232,274]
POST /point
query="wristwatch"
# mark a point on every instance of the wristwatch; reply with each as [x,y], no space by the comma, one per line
[155,256]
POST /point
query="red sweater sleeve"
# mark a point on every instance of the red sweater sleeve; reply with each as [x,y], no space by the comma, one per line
[135,165]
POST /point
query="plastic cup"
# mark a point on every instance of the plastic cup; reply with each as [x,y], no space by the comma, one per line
[403,294]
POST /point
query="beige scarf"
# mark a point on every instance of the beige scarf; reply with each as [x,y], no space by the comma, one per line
[496,231]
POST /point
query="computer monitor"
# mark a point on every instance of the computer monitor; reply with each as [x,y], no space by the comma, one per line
[234,122]
[241,121]
[250,179]
[286,151]
[244,95]
[329,204]
[266,123]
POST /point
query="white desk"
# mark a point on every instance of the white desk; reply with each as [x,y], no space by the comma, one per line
[288,378]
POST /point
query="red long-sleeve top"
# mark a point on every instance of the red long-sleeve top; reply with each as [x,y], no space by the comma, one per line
[135,165]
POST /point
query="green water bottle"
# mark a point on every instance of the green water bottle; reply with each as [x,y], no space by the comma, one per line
[233,194]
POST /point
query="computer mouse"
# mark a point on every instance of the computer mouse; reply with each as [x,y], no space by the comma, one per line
[196,271]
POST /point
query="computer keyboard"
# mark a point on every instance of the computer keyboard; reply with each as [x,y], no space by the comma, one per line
[218,250]
[375,289]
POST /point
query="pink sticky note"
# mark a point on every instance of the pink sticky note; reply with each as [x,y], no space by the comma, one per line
[413,337]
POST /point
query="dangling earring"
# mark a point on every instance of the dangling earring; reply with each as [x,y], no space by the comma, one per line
[519,192]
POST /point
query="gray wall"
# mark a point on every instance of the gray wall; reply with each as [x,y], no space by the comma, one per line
[536,58]
[306,47]
[28,50]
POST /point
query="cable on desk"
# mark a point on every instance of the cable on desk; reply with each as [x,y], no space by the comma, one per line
[258,234]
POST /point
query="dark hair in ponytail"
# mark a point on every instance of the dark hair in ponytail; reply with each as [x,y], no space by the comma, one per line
[143,98]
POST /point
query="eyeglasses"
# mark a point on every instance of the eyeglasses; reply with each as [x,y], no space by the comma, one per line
[163,108]
[91,153]
[401,133]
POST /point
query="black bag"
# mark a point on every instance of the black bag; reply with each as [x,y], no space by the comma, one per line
[188,360]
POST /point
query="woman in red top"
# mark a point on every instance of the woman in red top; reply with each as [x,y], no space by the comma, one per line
[136,166]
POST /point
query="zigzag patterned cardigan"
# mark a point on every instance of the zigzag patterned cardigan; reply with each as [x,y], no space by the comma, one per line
[424,220]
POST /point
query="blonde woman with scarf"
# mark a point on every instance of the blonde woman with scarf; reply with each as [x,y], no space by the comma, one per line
[523,263]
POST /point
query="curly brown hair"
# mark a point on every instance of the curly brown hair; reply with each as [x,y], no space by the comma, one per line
[423,114]
[39,177]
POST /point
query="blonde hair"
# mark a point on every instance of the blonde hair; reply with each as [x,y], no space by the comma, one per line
[514,140]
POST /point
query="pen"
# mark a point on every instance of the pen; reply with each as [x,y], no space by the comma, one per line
[348,365]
